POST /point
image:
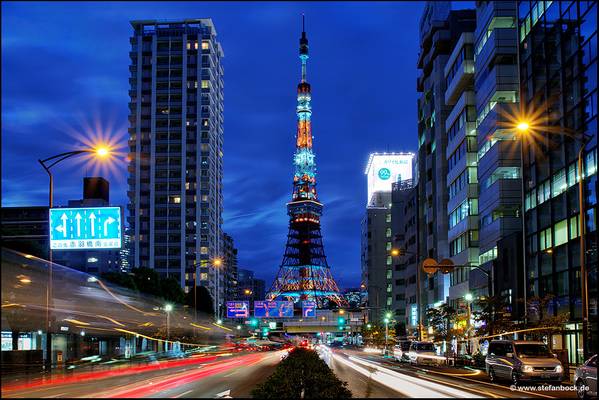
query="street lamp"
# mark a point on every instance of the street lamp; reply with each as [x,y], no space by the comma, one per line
[47,164]
[168,308]
[217,262]
[468,297]
[386,320]
[523,127]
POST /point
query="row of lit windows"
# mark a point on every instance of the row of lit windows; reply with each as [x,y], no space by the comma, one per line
[533,17]
[467,53]
[462,242]
[487,256]
[469,175]
[560,182]
[495,23]
[194,44]
[502,173]
[466,208]
[468,114]
[558,234]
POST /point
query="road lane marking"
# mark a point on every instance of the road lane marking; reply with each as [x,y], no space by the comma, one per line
[506,388]
[417,389]
[182,394]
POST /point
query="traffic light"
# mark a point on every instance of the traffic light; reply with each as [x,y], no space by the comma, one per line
[254,322]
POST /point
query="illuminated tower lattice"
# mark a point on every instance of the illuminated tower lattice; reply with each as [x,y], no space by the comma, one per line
[304,273]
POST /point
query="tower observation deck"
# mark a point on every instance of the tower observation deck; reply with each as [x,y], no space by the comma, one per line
[304,274]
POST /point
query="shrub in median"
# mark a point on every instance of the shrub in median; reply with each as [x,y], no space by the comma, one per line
[302,375]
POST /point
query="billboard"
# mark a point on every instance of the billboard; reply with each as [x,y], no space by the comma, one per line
[309,309]
[238,309]
[85,228]
[385,169]
[273,309]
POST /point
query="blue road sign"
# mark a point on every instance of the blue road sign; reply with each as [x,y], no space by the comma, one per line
[308,309]
[238,309]
[273,309]
[85,228]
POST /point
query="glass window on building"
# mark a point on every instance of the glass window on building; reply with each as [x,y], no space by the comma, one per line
[388,247]
[558,183]
[388,218]
[545,240]
[561,232]
[388,232]
[389,274]
[389,260]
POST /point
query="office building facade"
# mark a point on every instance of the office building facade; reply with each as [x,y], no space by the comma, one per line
[440,29]
[558,85]
[383,171]
[176,150]
[404,214]
[499,175]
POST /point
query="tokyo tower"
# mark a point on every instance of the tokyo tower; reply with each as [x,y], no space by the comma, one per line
[304,274]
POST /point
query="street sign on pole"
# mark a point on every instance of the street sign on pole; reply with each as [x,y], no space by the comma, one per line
[446,265]
[85,228]
[430,266]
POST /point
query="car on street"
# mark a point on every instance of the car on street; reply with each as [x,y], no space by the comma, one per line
[423,353]
[585,379]
[521,360]
[401,350]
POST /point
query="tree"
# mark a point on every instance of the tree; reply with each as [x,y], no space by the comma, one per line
[441,319]
[538,310]
[204,300]
[170,290]
[302,375]
[147,280]
[494,315]
[375,335]
[121,279]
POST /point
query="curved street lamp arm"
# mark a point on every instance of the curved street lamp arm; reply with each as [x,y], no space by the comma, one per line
[62,157]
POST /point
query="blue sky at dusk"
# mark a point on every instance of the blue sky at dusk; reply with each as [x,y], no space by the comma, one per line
[65,79]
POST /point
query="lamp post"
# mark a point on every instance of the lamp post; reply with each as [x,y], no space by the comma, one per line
[47,164]
[386,320]
[217,262]
[523,128]
[168,308]
[468,297]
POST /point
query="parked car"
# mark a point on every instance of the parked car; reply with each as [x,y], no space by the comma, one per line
[423,353]
[585,379]
[400,351]
[521,360]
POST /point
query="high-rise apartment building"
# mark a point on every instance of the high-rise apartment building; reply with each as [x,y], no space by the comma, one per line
[382,170]
[229,275]
[440,30]
[499,175]
[558,78]
[404,229]
[461,153]
[176,143]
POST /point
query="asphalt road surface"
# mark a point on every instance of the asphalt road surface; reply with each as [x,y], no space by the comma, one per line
[234,375]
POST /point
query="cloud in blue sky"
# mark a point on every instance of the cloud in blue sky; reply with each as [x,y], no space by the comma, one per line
[65,73]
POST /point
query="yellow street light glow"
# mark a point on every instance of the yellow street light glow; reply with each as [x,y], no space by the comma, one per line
[102,151]
[394,252]
[217,262]
[523,126]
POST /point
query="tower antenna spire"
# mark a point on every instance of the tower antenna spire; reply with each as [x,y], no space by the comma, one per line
[303,22]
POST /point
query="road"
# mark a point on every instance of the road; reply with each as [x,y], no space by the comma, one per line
[234,375]
[363,370]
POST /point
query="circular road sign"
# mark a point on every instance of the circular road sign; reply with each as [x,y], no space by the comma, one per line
[430,266]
